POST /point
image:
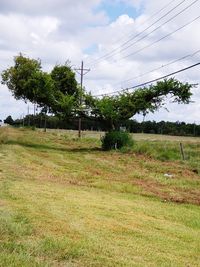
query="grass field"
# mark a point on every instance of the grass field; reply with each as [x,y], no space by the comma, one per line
[64,202]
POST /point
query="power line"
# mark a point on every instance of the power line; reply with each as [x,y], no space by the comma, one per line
[160,10]
[165,65]
[148,82]
[164,37]
[157,28]
[138,34]
[133,37]
[149,18]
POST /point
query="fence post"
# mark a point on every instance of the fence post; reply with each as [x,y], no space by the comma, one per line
[182,151]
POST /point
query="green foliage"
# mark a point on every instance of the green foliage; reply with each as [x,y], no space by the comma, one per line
[61,249]
[163,150]
[28,82]
[56,92]
[116,140]
[64,80]
[9,120]
[64,105]
[19,77]
[67,93]
[115,109]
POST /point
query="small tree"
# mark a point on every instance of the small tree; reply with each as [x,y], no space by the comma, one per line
[9,120]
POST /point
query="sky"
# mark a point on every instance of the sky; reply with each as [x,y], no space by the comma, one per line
[122,42]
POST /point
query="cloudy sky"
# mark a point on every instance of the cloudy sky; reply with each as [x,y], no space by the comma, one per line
[123,42]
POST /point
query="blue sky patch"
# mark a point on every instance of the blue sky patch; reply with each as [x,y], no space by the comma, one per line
[115,9]
[91,49]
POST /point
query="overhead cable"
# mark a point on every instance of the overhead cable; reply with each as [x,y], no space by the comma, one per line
[157,28]
[149,82]
[160,39]
[138,34]
[158,68]
[149,18]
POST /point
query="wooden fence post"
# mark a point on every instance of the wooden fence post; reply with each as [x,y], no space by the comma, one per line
[182,151]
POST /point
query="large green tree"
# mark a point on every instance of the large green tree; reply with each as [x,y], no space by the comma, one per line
[59,93]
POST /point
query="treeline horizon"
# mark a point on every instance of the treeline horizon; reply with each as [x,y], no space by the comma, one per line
[133,126]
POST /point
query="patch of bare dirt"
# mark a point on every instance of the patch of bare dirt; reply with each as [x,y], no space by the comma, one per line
[165,193]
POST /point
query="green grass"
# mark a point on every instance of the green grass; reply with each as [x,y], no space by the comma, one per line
[170,151]
[64,202]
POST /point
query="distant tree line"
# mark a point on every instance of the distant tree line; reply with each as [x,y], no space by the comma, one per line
[133,126]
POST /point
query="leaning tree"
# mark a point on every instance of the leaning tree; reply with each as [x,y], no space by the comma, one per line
[115,109]
[59,93]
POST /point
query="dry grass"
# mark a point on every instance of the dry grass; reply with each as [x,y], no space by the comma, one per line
[64,202]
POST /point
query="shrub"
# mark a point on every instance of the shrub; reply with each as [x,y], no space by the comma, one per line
[116,140]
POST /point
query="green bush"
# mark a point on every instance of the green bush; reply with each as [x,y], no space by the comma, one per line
[116,140]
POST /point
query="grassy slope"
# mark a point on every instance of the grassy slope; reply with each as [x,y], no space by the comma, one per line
[64,202]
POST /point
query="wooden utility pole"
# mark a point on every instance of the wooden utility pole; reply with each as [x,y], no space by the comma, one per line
[81,71]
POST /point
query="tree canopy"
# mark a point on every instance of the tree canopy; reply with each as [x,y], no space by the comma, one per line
[64,80]
[56,91]
[9,120]
[22,76]
[115,109]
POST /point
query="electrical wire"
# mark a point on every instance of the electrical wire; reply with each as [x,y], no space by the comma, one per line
[149,18]
[162,38]
[157,28]
[138,34]
[158,68]
[149,82]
